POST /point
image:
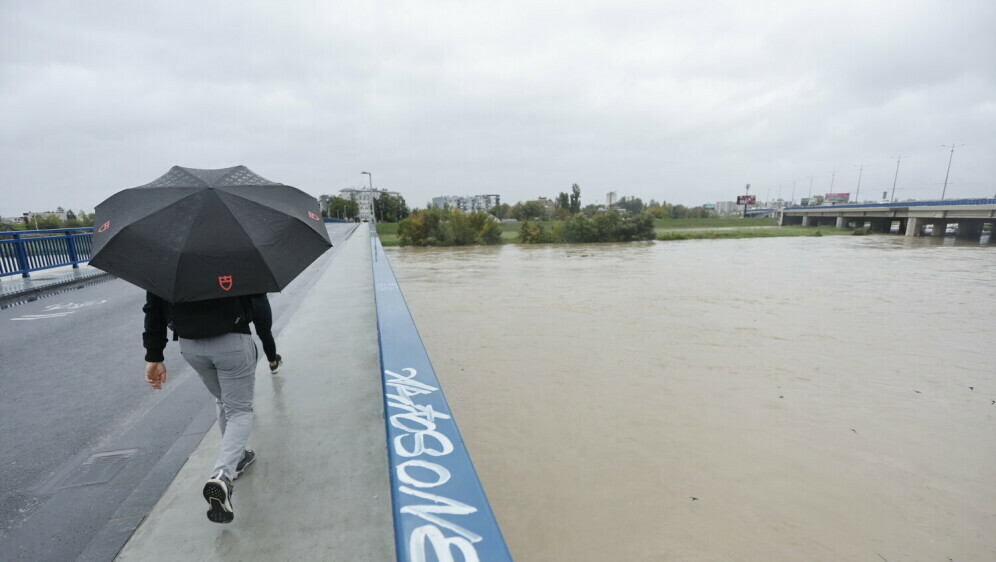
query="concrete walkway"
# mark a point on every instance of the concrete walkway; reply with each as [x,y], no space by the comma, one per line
[319,489]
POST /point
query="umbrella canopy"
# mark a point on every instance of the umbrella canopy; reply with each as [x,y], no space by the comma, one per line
[203,234]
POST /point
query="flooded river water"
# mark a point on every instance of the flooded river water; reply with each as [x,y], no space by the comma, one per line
[784,399]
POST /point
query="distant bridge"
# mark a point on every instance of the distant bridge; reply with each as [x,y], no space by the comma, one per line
[971,216]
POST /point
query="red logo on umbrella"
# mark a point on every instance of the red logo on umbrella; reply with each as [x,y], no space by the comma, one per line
[104,226]
[313,215]
[225,281]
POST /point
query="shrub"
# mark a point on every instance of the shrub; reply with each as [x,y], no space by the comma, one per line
[448,227]
[421,228]
[576,229]
[532,233]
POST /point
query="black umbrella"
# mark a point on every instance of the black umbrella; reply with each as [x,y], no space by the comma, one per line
[202,234]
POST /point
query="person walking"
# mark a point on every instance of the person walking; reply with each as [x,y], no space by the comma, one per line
[216,341]
[262,318]
[201,242]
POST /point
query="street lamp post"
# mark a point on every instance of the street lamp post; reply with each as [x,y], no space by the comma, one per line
[373,207]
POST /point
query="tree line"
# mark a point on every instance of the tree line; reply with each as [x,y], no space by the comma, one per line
[569,204]
[386,208]
[571,223]
[611,226]
[52,222]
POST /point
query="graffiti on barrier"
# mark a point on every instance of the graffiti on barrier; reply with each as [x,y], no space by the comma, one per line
[418,437]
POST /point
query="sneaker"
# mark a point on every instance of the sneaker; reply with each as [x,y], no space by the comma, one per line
[218,493]
[248,458]
[275,368]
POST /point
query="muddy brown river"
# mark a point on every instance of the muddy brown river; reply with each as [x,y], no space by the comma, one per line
[784,399]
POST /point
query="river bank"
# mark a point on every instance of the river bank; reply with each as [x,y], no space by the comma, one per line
[664,229]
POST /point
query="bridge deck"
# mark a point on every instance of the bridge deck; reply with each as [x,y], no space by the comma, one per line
[319,489]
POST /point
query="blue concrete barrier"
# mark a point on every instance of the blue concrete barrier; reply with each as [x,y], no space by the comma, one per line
[440,510]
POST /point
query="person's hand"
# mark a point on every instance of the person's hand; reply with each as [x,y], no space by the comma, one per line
[155,374]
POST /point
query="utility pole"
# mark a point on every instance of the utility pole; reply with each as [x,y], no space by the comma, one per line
[746,197]
[895,179]
[946,174]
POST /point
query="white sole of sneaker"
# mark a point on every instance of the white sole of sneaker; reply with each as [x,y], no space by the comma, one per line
[239,472]
[220,506]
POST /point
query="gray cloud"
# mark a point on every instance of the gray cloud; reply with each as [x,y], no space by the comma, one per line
[679,102]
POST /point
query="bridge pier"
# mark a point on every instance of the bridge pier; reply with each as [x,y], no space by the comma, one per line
[840,222]
[880,225]
[913,226]
[805,221]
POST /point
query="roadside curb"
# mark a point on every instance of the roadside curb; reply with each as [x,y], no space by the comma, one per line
[7,299]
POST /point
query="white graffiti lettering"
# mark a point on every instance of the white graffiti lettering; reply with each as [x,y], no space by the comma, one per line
[423,415]
[442,546]
[419,446]
[406,387]
[442,474]
[448,507]
[420,437]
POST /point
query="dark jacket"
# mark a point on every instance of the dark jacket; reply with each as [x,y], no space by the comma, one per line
[192,320]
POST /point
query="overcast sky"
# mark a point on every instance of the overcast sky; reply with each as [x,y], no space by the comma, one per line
[679,101]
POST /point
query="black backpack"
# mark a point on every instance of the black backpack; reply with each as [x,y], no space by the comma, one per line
[206,319]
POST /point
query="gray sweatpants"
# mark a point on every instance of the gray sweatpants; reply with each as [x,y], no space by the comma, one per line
[227,365]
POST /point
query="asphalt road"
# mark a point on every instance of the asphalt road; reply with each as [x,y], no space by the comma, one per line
[84,439]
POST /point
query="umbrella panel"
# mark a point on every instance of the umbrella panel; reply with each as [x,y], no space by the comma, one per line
[196,243]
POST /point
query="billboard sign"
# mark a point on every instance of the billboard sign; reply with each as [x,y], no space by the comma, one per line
[837,197]
[746,199]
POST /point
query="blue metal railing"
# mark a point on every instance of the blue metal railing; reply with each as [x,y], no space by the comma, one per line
[32,250]
[945,202]
[440,509]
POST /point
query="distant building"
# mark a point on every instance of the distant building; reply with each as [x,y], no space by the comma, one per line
[728,207]
[365,199]
[467,203]
[611,198]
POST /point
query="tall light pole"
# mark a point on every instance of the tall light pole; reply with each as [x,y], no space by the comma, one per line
[746,197]
[372,206]
[946,174]
[895,179]
[861,168]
